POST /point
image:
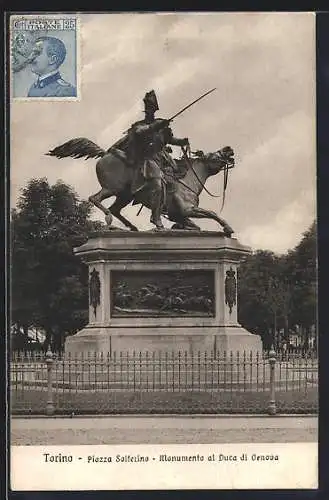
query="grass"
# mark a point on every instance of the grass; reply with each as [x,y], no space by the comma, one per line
[33,401]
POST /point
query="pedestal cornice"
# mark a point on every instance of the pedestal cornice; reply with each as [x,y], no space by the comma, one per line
[161,246]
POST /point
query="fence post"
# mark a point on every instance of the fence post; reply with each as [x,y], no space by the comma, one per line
[271,409]
[50,407]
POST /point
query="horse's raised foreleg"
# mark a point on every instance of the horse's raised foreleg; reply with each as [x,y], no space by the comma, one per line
[118,205]
[201,213]
[96,199]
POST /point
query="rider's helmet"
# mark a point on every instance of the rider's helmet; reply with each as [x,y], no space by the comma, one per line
[150,103]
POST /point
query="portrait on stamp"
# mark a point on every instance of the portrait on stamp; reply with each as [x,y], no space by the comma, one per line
[44,58]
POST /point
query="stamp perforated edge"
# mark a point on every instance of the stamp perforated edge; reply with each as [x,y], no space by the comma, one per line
[53,15]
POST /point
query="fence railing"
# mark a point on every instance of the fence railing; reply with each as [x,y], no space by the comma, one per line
[164,382]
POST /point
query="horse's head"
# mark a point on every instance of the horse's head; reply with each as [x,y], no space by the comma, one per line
[218,160]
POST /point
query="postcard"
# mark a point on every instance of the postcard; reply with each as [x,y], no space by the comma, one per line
[163,222]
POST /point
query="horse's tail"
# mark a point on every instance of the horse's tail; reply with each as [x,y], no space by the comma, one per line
[77,148]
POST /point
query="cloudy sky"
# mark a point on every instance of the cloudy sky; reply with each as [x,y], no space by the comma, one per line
[264,108]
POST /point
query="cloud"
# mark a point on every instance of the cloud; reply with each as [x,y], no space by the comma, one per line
[286,228]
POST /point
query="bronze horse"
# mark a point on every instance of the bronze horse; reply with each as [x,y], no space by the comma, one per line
[116,178]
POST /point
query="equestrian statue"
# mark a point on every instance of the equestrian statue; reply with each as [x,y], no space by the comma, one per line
[139,168]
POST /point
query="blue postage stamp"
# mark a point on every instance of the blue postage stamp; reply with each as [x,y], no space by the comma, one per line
[44,57]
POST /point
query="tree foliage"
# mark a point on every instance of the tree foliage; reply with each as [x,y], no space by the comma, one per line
[303,268]
[49,284]
[278,292]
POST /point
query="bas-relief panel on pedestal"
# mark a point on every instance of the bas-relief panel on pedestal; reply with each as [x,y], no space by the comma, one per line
[163,293]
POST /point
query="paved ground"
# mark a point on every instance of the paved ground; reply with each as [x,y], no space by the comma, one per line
[162,430]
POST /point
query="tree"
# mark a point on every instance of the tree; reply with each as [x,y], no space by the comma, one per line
[302,264]
[49,284]
[279,291]
[257,299]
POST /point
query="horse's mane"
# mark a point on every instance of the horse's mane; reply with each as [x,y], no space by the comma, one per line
[182,167]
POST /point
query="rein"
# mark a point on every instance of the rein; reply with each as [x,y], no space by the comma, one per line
[226,168]
[185,185]
[224,186]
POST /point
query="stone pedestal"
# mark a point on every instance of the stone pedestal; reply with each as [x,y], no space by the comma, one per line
[160,291]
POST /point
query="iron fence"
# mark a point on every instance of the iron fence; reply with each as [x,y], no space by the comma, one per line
[167,382]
